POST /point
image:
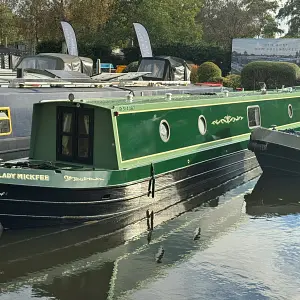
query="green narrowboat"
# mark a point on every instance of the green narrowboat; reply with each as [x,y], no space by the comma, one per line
[115,159]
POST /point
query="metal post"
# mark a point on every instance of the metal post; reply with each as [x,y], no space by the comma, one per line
[98,66]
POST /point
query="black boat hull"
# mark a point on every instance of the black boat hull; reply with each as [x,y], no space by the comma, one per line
[25,206]
[277,152]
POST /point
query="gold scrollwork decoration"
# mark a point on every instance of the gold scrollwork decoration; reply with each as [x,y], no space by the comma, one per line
[72,178]
[227,120]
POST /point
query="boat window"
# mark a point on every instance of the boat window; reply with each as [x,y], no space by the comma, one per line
[5,121]
[164,130]
[40,63]
[156,67]
[83,135]
[67,122]
[202,125]
[254,119]
[75,134]
[83,124]
[290,110]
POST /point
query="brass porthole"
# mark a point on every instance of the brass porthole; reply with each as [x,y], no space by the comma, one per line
[202,125]
[164,130]
[290,110]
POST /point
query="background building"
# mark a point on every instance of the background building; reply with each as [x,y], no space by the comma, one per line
[245,51]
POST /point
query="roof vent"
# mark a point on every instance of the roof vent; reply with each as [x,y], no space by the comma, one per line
[71,97]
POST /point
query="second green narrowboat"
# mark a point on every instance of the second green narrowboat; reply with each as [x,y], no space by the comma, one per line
[115,159]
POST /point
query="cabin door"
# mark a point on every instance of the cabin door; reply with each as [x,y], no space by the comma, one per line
[75,133]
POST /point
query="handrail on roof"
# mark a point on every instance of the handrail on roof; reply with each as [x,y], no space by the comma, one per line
[53,82]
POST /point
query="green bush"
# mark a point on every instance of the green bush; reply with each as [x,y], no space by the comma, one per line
[273,74]
[207,71]
[233,81]
[132,67]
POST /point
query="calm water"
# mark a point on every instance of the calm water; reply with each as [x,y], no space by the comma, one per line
[248,248]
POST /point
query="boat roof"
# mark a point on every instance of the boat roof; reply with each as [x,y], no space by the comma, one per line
[174,61]
[136,103]
[65,57]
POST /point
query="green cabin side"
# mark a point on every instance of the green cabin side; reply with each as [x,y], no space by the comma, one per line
[197,126]
[150,130]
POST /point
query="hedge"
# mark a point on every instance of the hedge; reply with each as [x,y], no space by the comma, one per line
[273,74]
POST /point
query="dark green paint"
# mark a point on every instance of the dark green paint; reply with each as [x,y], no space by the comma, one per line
[104,142]
[43,133]
[139,132]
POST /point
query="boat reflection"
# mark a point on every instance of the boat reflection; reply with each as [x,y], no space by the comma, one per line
[274,196]
[80,263]
[29,251]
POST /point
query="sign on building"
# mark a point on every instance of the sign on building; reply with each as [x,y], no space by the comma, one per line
[245,51]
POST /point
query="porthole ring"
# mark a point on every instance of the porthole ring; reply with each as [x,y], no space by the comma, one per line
[202,125]
[290,110]
[164,131]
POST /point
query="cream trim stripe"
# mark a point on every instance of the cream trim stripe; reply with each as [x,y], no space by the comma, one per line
[200,105]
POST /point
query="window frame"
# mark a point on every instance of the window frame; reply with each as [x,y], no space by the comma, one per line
[74,133]
[290,111]
[165,122]
[202,119]
[249,107]
[9,119]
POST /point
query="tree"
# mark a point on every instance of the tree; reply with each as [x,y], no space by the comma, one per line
[291,10]
[109,22]
[8,28]
[167,21]
[270,28]
[39,20]
[262,17]
[224,20]
[33,19]
[89,17]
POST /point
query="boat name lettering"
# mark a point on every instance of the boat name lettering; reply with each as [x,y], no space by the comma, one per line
[227,120]
[33,177]
[126,108]
[72,178]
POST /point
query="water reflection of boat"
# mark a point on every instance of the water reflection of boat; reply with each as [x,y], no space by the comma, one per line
[30,251]
[274,196]
[89,270]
